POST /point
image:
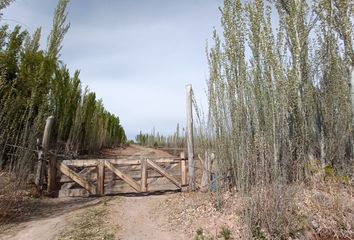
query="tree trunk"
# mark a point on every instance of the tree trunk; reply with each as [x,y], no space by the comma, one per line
[207,164]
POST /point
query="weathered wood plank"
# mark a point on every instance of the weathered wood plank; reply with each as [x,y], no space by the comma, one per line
[42,153]
[81,162]
[52,174]
[123,176]
[100,179]
[144,175]
[122,162]
[76,177]
[108,176]
[183,173]
[191,163]
[68,185]
[74,193]
[164,173]
[88,173]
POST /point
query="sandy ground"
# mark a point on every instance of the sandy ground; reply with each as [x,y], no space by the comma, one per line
[137,221]
[132,215]
[49,221]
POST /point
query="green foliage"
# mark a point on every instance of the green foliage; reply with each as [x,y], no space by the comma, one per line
[225,233]
[257,234]
[201,236]
[155,139]
[288,100]
[35,84]
[279,92]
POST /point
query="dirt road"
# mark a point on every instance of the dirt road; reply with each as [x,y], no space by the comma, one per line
[118,217]
[137,220]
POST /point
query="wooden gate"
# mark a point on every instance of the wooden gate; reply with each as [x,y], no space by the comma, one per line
[111,176]
[92,175]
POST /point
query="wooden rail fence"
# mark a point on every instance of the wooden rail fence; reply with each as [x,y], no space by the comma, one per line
[97,176]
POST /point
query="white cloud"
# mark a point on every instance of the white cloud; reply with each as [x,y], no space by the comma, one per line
[136,55]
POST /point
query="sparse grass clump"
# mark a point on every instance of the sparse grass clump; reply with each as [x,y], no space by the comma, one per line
[224,234]
[90,225]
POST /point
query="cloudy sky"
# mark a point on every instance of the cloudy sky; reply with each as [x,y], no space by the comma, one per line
[136,55]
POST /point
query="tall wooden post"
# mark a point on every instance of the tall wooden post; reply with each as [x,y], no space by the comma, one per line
[100,179]
[52,174]
[183,169]
[42,155]
[352,98]
[144,175]
[352,86]
[191,163]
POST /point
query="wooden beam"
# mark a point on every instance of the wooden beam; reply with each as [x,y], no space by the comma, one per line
[352,96]
[43,152]
[100,179]
[79,192]
[352,86]
[152,174]
[191,163]
[52,174]
[164,173]
[121,162]
[123,176]
[183,172]
[157,175]
[82,162]
[76,178]
[144,175]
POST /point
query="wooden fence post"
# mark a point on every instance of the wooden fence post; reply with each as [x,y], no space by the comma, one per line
[42,155]
[352,97]
[100,178]
[183,169]
[144,175]
[191,163]
[52,174]
[352,86]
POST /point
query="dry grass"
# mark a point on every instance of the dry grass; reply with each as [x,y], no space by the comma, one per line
[321,210]
[90,224]
[318,209]
[16,201]
[197,214]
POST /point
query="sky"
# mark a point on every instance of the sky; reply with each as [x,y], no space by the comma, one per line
[135,55]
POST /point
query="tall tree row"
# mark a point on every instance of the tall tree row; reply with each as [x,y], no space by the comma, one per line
[281,105]
[281,89]
[35,84]
[155,139]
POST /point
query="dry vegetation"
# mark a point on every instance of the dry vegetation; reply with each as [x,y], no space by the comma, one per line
[320,210]
[16,202]
[281,115]
[324,210]
[199,214]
